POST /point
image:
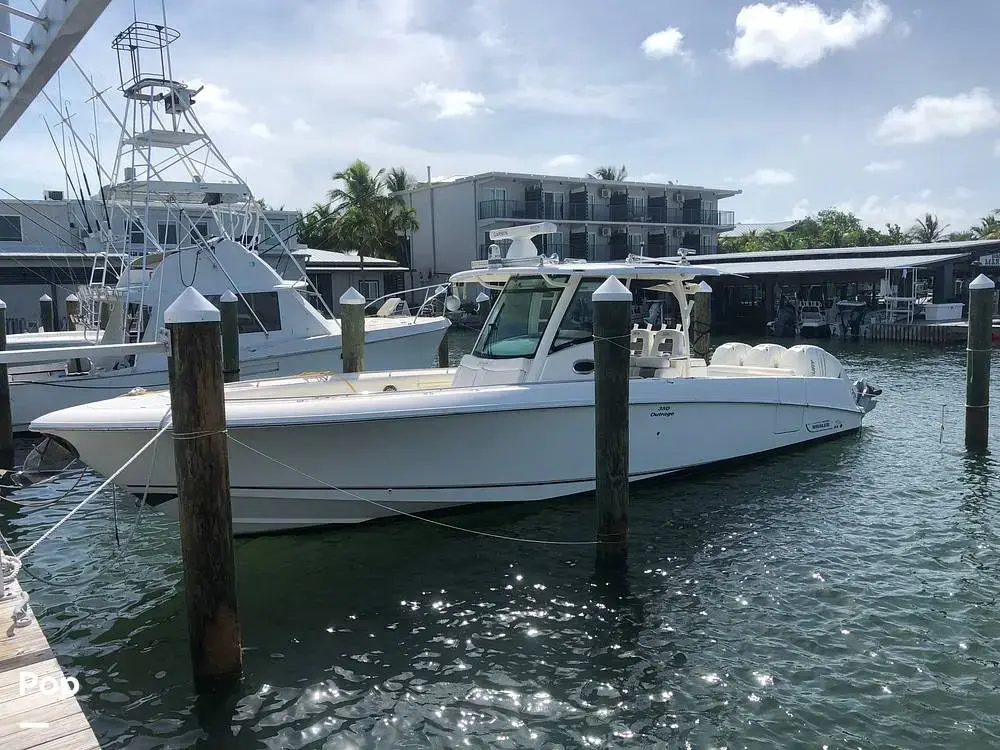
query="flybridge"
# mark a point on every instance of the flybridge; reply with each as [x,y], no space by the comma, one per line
[29,60]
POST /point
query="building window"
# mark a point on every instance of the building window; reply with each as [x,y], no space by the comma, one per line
[495,194]
[166,233]
[136,235]
[253,306]
[368,288]
[197,232]
[10,229]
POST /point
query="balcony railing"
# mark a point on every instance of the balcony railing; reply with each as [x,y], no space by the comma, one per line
[599,250]
[596,212]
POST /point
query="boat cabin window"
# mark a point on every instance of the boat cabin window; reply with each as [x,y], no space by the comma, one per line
[10,228]
[577,326]
[518,320]
[263,304]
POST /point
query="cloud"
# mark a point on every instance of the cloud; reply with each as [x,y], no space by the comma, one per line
[800,210]
[301,126]
[564,161]
[261,130]
[878,211]
[885,166]
[807,139]
[933,117]
[800,34]
[768,176]
[664,44]
[216,107]
[450,102]
[564,95]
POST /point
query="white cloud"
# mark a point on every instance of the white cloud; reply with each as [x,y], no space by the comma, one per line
[996,148]
[963,193]
[800,34]
[663,44]
[301,126]
[926,193]
[878,211]
[450,102]
[902,29]
[658,177]
[807,139]
[556,93]
[564,161]
[768,176]
[216,107]
[260,130]
[800,210]
[933,117]
[885,166]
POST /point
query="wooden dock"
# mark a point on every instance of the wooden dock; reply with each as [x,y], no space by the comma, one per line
[921,332]
[36,710]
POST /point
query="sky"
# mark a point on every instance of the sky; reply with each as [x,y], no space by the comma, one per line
[881,107]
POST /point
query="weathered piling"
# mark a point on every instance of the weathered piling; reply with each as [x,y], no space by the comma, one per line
[201,457]
[442,353]
[977,364]
[701,322]
[612,322]
[6,417]
[46,313]
[352,330]
[230,314]
[72,311]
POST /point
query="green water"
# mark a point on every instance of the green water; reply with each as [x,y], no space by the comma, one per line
[842,595]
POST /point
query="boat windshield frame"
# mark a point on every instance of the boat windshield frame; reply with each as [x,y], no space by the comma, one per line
[525,303]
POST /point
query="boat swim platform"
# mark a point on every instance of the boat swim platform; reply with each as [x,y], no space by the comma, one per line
[36,710]
[923,332]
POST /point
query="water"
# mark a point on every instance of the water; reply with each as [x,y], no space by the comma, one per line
[842,595]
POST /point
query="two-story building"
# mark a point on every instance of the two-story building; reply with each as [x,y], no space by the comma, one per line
[597,220]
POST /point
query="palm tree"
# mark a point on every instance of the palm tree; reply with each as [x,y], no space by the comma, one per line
[609,174]
[928,229]
[398,179]
[988,227]
[316,228]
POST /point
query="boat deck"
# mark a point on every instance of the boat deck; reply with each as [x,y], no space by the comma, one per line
[30,718]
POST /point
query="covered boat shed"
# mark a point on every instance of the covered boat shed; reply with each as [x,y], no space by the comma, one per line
[753,284]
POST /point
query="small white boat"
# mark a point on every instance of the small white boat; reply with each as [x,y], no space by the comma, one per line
[812,321]
[513,422]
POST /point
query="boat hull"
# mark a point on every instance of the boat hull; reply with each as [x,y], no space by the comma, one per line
[493,449]
[408,346]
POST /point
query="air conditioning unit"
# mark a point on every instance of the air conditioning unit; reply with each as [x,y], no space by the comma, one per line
[52,195]
[604,193]
[605,231]
[129,174]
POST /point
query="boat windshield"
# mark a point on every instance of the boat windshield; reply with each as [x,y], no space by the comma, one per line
[519,319]
[577,325]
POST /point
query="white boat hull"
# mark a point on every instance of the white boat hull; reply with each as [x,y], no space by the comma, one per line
[380,454]
[387,347]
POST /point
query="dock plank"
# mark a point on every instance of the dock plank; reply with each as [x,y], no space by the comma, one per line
[35,720]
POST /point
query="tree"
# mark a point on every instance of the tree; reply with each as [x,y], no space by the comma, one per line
[316,228]
[988,227]
[398,179]
[610,174]
[895,235]
[927,229]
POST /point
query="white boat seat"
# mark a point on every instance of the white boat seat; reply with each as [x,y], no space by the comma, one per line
[391,306]
[731,354]
[666,344]
[764,355]
[640,342]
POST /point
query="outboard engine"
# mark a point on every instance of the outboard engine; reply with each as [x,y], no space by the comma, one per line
[864,394]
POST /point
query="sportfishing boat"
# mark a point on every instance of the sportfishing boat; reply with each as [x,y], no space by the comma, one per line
[211,234]
[513,422]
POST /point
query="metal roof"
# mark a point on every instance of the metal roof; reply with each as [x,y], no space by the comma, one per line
[743,229]
[968,246]
[832,265]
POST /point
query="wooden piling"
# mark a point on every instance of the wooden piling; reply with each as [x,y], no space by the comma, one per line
[46,313]
[230,313]
[352,330]
[977,365]
[443,356]
[201,457]
[6,417]
[612,322]
[701,322]
[72,311]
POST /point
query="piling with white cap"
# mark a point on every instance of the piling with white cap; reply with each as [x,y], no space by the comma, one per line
[72,311]
[977,364]
[46,313]
[6,417]
[201,461]
[230,314]
[612,323]
[352,330]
